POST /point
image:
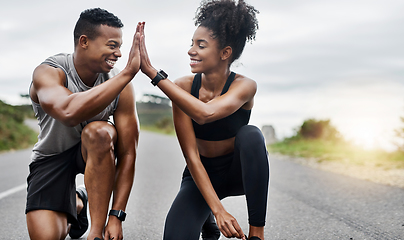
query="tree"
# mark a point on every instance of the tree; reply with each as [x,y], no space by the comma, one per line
[318,129]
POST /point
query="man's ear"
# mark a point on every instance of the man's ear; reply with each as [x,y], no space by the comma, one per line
[83,41]
[226,53]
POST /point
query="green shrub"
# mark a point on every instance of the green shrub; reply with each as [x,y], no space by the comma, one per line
[11,112]
[318,129]
[14,134]
[166,124]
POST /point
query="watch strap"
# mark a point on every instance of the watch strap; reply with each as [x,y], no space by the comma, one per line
[121,215]
[160,76]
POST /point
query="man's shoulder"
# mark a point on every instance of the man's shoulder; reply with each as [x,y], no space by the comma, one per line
[58,57]
[60,60]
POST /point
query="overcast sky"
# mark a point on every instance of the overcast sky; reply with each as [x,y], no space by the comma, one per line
[340,60]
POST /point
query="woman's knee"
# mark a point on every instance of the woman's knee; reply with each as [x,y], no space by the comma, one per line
[249,136]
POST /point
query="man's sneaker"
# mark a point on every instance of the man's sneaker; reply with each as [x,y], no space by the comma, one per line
[77,230]
[210,231]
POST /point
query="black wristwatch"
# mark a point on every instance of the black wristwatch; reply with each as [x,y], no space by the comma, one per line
[160,76]
[121,215]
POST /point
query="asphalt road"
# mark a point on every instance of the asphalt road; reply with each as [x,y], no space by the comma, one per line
[304,203]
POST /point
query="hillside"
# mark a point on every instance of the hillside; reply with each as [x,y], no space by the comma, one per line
[154,114]
[14,134]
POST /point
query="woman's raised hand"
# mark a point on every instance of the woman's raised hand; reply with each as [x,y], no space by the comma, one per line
[145,64]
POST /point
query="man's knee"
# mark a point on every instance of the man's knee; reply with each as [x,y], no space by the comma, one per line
[99,135]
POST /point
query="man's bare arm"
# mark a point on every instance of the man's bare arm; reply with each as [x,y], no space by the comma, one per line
[72,108]
[126,123]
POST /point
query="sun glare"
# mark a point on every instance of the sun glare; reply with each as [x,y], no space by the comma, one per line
[366,135]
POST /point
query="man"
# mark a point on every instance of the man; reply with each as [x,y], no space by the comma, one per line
[73,96]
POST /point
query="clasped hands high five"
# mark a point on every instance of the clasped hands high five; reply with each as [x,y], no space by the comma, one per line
[138,57]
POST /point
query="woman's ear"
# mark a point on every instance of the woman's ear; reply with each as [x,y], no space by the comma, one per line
[226,53]
[83,41]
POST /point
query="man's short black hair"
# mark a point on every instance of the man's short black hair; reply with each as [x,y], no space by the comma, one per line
[91,19]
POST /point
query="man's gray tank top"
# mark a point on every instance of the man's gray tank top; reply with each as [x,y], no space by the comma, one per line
[54,137]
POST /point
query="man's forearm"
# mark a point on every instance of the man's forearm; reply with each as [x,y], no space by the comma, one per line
[88,104]
[124,178]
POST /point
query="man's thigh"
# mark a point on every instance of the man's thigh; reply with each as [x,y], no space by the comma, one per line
[51,183]
[46,224]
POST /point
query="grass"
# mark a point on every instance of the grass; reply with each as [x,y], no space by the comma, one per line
[323,150]
[14,134]
[156,129]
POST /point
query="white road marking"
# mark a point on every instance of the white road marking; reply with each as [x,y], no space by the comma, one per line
[13,190]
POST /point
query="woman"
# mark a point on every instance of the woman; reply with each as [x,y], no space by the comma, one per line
[224,156]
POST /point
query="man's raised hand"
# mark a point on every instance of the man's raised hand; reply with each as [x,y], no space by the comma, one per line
[133,64]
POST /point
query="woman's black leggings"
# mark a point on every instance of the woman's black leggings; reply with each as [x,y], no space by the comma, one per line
[246,171]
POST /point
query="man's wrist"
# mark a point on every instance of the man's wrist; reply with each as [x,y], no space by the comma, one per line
[119,214]
[127,73]
[112,220]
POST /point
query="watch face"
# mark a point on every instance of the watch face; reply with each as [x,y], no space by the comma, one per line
[122,216]
[165,75]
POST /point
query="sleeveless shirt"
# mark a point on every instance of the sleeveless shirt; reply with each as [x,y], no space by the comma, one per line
[54,137]
[224,128]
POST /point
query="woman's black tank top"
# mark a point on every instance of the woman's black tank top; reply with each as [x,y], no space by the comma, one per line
[224,128]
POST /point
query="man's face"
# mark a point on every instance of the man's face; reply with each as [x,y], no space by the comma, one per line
[104,51]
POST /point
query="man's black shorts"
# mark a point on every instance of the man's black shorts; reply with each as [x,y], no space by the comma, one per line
[52,183]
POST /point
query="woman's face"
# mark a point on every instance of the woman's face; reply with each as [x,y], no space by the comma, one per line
[204,52]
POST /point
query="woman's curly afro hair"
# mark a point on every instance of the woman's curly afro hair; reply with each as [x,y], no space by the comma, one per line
[232,24]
